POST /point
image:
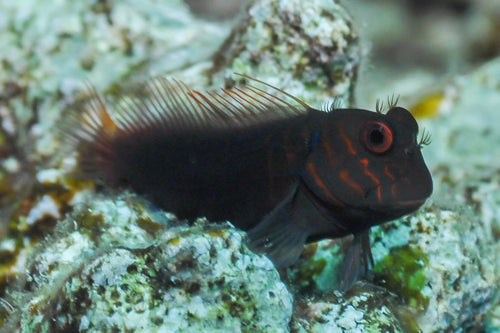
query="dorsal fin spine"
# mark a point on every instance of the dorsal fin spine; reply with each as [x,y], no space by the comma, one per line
[175,99]
[223,108]
[165,99]
[129,120]
[252,100]
[223,102]
[230,102]
[238,103]
[200,102]
[215,109]
[264,94]
[298,100]
[179,96]
[148,116]
[96,118]
[234,93]
[197,114]
[159,103]
[241,106]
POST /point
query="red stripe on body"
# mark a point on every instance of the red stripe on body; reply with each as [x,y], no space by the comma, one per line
[329,152]
[365,162]
[344,175]
[348,142]
[321,184]
[388,173]
[393,190]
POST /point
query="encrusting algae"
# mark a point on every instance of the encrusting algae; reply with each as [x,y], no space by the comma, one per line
[101,268]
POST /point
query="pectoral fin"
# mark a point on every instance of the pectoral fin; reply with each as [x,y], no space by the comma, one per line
[279,234]
[358,260]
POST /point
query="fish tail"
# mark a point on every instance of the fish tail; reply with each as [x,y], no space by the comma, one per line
[90,131]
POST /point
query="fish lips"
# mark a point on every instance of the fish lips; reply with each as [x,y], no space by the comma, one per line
[407,206]
[398,205]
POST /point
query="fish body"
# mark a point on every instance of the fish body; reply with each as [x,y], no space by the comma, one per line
[235,174]
[283,171]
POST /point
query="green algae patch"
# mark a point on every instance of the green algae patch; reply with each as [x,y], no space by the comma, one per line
[307,275]
[403,271]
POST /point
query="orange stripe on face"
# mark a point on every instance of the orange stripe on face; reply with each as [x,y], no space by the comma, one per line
[370,174]
[329,152]
[364,162]
[344,175]
[322,186]
[393,190]
[348,142]
[379,194]
[388,173]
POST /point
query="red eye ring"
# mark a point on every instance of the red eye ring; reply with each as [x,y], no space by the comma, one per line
[377,137]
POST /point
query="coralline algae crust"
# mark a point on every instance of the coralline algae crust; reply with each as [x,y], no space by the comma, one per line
[310,49]
[364,309]
[183,278]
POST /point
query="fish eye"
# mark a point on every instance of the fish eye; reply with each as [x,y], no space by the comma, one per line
[377,137]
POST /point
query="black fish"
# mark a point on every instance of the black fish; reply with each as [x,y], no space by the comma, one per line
[283,171]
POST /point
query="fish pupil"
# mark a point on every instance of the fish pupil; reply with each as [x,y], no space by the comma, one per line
[376,136]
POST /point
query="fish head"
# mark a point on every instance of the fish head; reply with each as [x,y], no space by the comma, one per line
[368,165]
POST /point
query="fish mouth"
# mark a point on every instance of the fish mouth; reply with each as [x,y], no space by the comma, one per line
[407,205]
[411,203]
[397,208]
[392,202]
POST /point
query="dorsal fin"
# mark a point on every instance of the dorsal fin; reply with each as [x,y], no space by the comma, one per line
[171,104]
[296,99]
[89,119]
[166,105]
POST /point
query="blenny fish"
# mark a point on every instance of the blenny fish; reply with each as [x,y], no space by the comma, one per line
[267,162]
